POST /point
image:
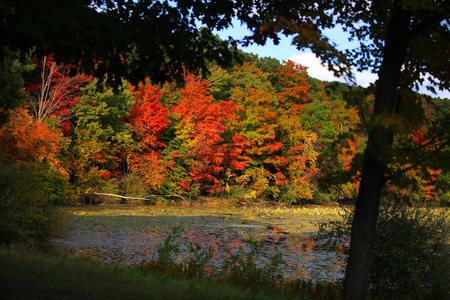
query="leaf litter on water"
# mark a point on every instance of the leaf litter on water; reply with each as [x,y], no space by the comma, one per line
[131,235]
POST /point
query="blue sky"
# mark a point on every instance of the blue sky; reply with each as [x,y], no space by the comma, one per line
[285,51]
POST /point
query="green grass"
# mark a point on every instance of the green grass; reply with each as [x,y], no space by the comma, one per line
[31,276]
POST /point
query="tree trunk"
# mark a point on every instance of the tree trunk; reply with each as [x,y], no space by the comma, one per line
[375,158]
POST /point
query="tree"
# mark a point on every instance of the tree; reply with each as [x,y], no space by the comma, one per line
[300,142]
[37,147]
[148,116]
[102,140]
[398,39]
[149,119]
[26,140]
[201,132]
[116,39]
[392,35]
[56,91]
[257,124]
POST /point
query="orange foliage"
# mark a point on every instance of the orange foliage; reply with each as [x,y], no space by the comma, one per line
[197,108]
[151,168]
[346,158]
[24,140]
[295,85]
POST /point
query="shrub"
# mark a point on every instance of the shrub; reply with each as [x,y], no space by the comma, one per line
[410,254]
[321,198]
[128,185]
[251,268]
[410,251]
[26,214]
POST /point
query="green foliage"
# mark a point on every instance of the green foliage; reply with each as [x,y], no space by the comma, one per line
[26,213]
[101,110]
[220,83]
[247,268]
[126,40]
[56,187]
[411,251]
[321,198]
[11,80]
[168,249]
[29,275]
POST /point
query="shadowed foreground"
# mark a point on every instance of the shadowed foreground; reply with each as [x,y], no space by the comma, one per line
[29,276]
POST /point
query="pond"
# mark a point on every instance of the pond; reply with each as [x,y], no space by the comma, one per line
[131,235]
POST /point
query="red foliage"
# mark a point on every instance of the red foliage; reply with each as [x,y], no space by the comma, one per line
[205,119]
[57,90]
[295,85]
[106,174]
[148,116]
[234,155]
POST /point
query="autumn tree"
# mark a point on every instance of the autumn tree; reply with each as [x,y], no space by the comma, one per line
[300,149]
[26,140]
[257,118]
[55,92]
[391,36]
[148,119]
[103,140]
[38,146]
[200,133]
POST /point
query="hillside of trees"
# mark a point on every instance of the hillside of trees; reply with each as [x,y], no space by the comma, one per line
[259,132]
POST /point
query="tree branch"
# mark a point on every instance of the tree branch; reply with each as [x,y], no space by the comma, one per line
[424,158]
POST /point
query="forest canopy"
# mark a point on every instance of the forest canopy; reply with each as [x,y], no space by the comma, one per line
[254,132]
[276,136]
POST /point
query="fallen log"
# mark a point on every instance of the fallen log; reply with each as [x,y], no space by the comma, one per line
[138,198]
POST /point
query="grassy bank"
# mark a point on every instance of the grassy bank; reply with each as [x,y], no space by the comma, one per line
[31,276]
[26,275]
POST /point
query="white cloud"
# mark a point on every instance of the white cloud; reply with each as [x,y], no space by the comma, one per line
[423,90]
[320,71]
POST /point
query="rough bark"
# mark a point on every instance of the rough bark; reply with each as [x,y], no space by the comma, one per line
[375,159]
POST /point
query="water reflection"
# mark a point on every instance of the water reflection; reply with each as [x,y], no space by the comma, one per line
[304,257]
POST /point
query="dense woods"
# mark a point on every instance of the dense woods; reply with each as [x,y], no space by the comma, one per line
[259,132]
[140,98]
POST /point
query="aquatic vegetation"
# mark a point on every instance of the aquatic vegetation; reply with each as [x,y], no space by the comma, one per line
[266,242]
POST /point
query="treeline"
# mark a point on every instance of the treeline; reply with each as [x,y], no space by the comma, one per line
[261,131]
